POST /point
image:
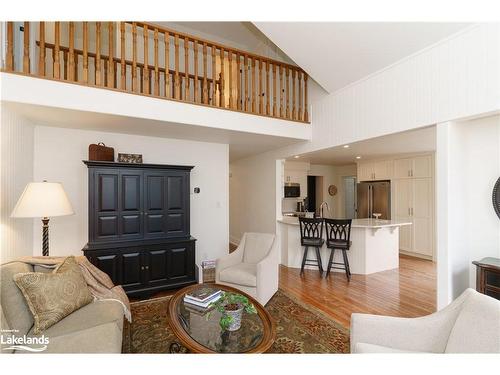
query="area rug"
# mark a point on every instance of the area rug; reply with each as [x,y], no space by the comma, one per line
[299,328]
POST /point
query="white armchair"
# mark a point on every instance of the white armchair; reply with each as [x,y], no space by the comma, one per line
[470,324]
[253,267]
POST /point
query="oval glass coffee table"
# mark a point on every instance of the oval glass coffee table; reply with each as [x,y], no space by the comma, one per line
[199,334]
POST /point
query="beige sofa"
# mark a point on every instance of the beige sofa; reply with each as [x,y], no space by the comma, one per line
[470,324]
[95,328]
[253,267]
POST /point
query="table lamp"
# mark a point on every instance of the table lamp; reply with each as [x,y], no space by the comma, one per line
[43,199]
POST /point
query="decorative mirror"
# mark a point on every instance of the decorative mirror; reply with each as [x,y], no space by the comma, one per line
[496,197]
[332,190]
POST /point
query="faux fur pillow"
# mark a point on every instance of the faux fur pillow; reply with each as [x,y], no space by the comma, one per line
[53,296]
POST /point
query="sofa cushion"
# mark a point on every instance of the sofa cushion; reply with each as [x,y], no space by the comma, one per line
[362,347]
[91,315]
[52,296]
[16,310]
[257,246]
[5,331]
[477,328]
[104,338]
[241,274]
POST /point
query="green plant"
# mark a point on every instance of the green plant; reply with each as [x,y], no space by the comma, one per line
[231,302]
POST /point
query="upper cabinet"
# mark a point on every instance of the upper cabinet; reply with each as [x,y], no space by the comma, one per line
[375,170]
[416,167]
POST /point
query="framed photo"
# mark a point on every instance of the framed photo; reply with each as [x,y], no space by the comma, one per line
[130,158]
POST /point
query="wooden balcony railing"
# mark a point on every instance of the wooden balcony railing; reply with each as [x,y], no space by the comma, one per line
[146,59]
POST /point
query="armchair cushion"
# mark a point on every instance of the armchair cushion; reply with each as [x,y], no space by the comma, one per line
[257,246]
[241,274]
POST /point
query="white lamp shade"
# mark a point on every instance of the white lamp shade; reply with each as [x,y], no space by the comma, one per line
[43,199]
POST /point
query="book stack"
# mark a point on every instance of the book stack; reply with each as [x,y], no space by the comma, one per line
[202,297]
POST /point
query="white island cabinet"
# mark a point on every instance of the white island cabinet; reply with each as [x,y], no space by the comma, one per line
[374,245]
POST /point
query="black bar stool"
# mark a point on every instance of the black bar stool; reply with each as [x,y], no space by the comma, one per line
[311,235]
[338,236]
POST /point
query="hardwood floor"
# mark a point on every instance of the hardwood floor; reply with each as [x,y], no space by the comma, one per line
[409,291]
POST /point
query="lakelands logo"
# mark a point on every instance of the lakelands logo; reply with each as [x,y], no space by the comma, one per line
[26,343]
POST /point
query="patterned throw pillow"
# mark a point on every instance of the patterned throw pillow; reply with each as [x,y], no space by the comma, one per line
[53,296]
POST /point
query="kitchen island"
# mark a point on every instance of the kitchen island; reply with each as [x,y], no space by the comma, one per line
[374,245]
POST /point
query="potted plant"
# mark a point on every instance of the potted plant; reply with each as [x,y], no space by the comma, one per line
[231,306]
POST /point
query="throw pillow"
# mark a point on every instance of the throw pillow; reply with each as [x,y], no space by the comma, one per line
[53,296]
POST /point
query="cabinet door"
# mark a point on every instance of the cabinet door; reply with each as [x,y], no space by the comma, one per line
[177,204]
[108,262]
[402,168]
[382,170]
[131,222]
[402,190]
[132,269]
[422,216]
[105,205]
[180,262]
[154,205]
[365,171]
[156,265]
[422,166]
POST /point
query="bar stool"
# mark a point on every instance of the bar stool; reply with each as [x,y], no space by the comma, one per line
[311,235]
[338,236]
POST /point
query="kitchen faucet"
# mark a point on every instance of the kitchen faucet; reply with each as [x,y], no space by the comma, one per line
[321,208]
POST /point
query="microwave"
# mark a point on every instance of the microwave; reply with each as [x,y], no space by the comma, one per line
[292,190]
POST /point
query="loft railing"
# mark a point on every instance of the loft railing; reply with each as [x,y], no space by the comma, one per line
[146,59]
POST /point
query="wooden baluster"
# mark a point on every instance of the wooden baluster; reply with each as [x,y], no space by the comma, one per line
[254,109]
[26,53]
[268,91]
[134,57]
[98,80]
[145,75]
[306,112]
[294,112]
[123,67]
[168,92]
[75,73]
[245,63]
[205,66]
[282,92]
[186,69]
[177,82]
[261,89]
[57,65]
[10,46]
[299,77]
[287,92]
[214,76]
[71,57]
[141,79]
[274,91]
[65,65]
[111,67]
[41,55]
[196,91]
[238,81]
[105,66]
[221,80]
[85,53]
[115,70]
[157,72]
[231,97]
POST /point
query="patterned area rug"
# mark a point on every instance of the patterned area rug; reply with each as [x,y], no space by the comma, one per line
[300,328]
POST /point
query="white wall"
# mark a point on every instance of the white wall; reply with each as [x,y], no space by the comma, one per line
[59,154]
[16,167]
[468,165]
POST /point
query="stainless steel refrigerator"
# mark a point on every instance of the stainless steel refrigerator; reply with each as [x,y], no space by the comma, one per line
[374,197]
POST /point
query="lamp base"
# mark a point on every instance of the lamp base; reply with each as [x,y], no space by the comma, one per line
[45,237]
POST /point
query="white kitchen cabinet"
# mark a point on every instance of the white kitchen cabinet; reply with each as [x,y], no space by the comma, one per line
[375,170]
[415,167]
[413,201]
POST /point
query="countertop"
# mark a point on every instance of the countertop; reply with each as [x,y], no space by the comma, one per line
[356,223]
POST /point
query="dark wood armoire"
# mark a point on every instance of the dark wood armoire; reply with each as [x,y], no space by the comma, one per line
[139,232]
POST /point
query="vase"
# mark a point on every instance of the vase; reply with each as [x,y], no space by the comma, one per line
[236,318]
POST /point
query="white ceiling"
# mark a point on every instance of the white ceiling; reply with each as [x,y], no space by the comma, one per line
[336,54]
[241,144]
[420,140]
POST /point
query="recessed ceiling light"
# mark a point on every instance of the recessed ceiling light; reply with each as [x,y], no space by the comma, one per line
[297,156]
[346,146]
[358,157]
